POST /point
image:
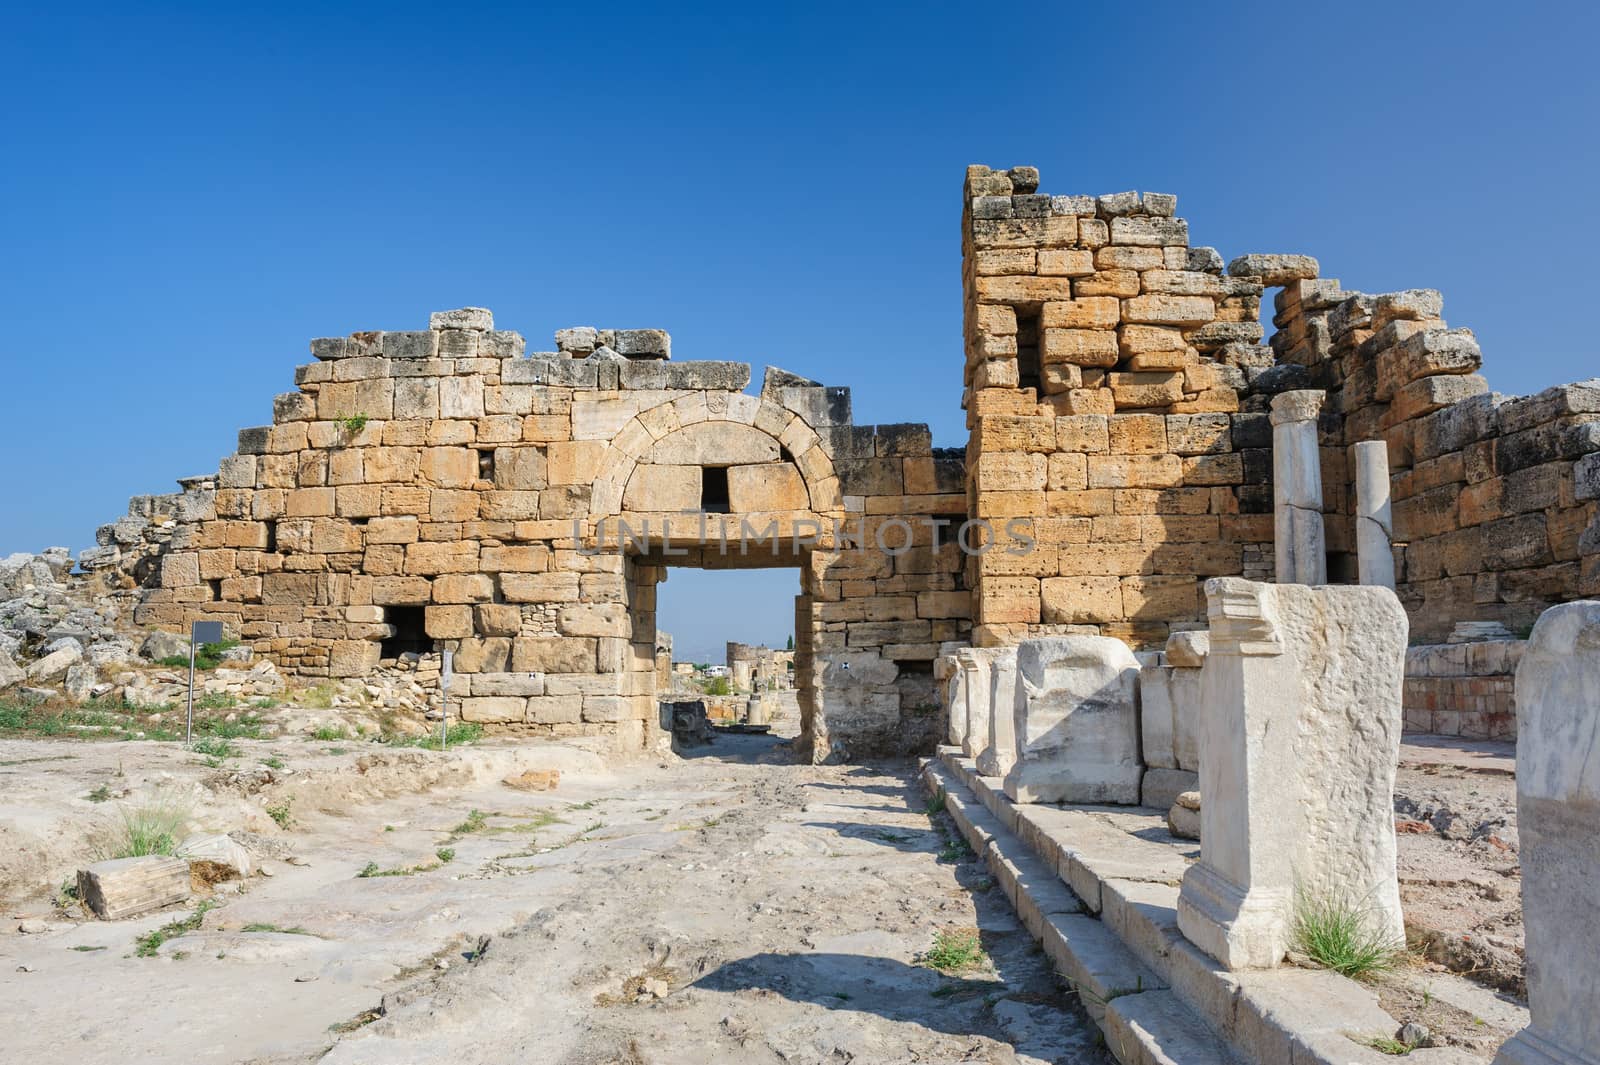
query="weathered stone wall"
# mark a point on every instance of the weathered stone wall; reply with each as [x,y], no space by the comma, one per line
[1494,497]
[1108,370]
[440,488]
[1463,689]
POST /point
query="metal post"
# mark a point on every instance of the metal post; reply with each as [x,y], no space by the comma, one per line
[188,726]
[445,663]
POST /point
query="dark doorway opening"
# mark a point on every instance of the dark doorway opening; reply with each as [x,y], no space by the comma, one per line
[410,631]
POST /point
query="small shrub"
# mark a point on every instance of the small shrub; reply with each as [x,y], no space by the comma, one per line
[317,698]
[936,804]
[282,813]
[273,762]
[216,701]
[446,855]
[353,424]
[476,821]
[215,747]
[719,686]
[100,794]
[1339,933]
[955,950]
[955,851]
[330,733]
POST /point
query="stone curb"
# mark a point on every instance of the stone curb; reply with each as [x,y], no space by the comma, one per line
[1114,937]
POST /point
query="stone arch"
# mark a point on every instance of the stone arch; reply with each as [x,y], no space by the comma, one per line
[791,433]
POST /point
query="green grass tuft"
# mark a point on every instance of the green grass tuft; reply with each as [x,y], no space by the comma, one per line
[148,944]
[1339,933]
[153,828]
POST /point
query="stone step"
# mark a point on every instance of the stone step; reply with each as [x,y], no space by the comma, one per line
[1156,1028]
[1184,1007]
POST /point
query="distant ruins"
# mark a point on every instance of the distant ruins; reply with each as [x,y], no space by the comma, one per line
[1130,437]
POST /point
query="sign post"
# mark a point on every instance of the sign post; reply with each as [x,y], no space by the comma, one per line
[200,632]
[444,697]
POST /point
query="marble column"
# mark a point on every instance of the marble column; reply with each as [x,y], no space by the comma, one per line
[1302,554]
[1374,526]
[1558,822]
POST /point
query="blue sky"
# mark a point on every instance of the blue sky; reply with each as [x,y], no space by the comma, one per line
[191,193]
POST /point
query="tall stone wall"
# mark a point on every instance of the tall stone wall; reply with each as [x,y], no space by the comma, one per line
[1108,392]
[1494,497]
[440,488]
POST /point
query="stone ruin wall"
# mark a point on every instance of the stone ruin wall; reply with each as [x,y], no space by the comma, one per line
[1116,391]
[446,476]
[1494,497]
[1138,447]
[1111,397]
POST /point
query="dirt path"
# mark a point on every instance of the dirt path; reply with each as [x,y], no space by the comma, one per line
[731,907]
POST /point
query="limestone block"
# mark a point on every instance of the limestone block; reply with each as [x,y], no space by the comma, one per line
[714,443]
[126,887]
[1080,600]
[474,318]
[955,705]
[1298,748]
[574,461]
[552,654]
[1076,722]
[999,752]
[498,619]
[539,587]
[1188,649]
[769,486]
[1162,787]
[483,655]
[1275,270]
[1558,793]
[1156,718]
[555,709]
[974,662]
[594,619]
[1080,347]
[1145,388]
[449,622]
[1169,310]
[654,488]
[519,467]
[497,709]
[463,588]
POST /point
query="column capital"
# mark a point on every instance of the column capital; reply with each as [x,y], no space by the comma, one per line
[1300,405]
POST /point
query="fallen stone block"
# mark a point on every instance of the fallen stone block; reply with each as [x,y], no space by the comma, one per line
[534,780]
[1076,722]
[216,858]
[127,887]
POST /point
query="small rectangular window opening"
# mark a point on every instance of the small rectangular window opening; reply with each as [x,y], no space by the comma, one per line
[714,489]
[1030,370]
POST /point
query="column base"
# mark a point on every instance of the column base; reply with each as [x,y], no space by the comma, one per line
[1241,929]
[1526,1048]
